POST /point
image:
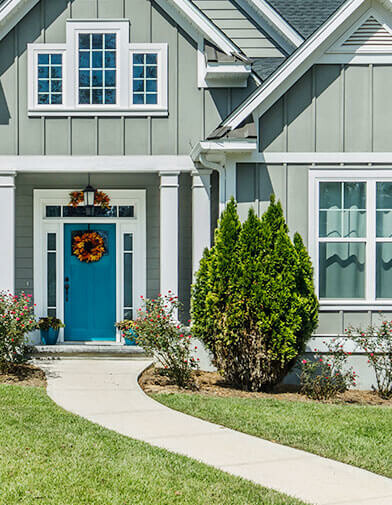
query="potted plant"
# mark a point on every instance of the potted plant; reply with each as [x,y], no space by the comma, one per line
[127,331]
[49,328]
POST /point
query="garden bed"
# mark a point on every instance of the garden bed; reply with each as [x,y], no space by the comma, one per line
[24,375]
[212,384]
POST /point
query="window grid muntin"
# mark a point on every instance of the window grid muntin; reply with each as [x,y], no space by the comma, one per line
[371,240]
[93,69]
[145,73]
[53,65]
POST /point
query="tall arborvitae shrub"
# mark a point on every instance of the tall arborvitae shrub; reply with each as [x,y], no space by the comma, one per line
[260,307]
[212,282]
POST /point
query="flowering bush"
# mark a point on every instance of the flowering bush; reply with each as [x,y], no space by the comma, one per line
[327,375]
[159,332]
[16,320]
[377,344]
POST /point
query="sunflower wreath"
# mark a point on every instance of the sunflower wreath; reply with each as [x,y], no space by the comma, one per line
[101,199]
[88,247]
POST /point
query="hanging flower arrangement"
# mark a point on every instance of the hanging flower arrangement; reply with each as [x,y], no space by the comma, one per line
[101,199]
[88,247]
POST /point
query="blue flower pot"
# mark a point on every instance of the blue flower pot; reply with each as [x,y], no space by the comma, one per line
[49,337]
[130,337]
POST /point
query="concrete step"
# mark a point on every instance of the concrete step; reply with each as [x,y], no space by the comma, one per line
[88,350]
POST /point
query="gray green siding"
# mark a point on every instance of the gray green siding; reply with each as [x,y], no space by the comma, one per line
[25,185]
[255,183]
[332,108]
[193,112]
[240,28]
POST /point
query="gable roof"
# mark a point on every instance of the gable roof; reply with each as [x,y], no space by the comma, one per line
[306,15]
[295,66]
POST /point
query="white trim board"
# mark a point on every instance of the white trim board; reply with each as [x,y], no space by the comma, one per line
[43,225]
[267,13]
[304,57]
[96,164]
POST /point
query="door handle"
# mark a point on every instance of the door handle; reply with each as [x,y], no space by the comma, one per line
[66,287]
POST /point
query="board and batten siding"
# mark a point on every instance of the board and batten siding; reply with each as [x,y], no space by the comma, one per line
[332,108]
[193,112]
[255,182]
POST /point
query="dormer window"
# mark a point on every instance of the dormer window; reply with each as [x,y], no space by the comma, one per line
[98,72]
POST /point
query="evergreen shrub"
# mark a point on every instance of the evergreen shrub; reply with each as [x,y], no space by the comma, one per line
[253,300]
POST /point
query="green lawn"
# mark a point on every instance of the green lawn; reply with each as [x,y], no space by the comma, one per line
[358,435]
[51,457]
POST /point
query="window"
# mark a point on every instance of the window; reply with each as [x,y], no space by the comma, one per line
[51,274]
[97,68]
[97,71]
[128,275]
[145,78]
[353,225]
[56,211]
[50,78]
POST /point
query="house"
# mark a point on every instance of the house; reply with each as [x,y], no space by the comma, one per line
[164,109]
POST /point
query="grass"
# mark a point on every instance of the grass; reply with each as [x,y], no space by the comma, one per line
[51,457]
[358,435]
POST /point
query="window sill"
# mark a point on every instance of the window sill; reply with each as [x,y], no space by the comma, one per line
[355,306]
[98,112]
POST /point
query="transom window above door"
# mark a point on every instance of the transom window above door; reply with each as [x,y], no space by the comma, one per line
[98,71]
[352,239]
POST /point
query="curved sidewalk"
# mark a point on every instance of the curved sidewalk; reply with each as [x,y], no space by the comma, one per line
[106,392]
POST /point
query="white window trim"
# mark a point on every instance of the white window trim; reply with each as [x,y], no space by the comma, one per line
[44,225]
[315,177]
[124,50]
[161,50]
[33,52]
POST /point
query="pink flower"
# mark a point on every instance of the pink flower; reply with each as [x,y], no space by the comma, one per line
[304,361]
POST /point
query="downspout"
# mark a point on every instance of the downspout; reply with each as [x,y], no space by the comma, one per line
[221,169]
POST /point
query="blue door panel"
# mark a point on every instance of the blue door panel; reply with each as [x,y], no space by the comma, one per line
[90,311]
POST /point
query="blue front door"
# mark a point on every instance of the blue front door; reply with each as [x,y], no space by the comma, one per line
[90,288]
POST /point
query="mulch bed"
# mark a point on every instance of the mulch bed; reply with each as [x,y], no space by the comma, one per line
[212,384]
[24,375]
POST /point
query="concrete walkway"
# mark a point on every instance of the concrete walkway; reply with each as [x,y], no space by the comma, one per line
[106,392]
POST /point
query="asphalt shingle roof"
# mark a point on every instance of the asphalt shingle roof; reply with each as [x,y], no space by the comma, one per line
[306,16]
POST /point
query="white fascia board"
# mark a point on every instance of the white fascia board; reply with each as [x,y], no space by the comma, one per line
[202,23]
[222,146]
[12,12]
[268,13]
[96,164]
[227,75]
[305,56]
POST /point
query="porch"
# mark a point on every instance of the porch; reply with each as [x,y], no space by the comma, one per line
[170,215]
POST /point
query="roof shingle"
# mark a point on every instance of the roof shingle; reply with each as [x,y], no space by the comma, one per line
[306,16]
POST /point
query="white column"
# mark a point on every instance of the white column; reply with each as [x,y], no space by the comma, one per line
[169,232]
[7,232]
[201,215]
